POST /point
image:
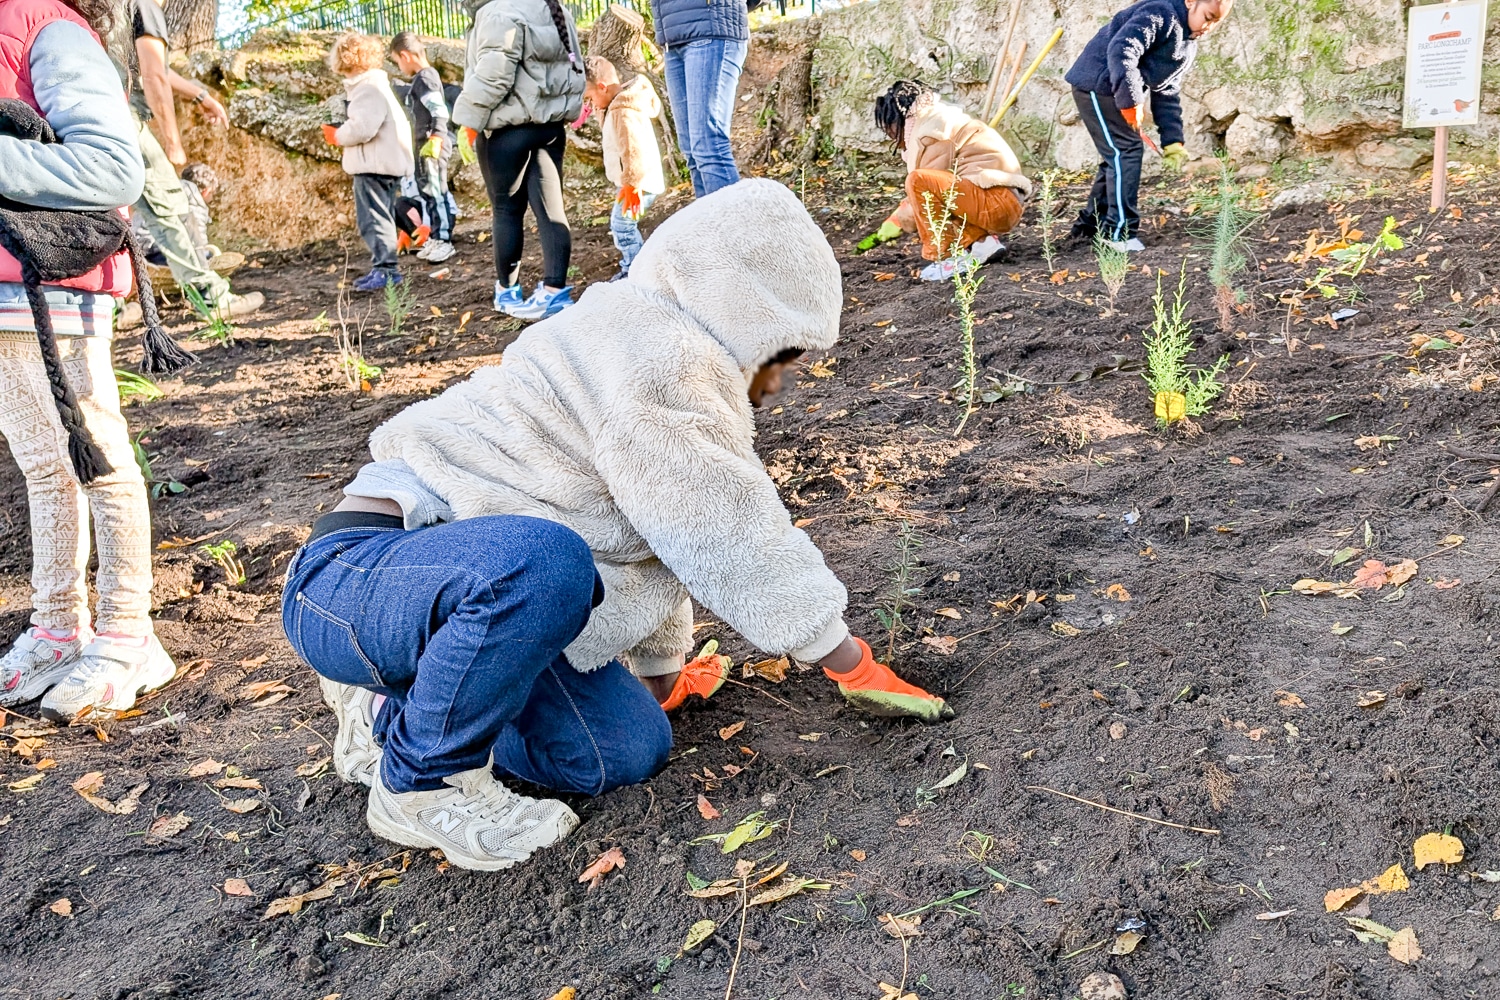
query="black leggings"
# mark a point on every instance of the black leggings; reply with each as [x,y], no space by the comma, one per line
[521,164]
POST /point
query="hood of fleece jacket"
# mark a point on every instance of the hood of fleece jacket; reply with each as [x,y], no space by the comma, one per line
[638,95]
[752,268]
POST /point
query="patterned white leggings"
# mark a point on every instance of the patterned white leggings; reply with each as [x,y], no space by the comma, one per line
[60,508]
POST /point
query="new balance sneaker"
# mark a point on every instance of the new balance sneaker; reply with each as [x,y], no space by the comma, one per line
[356,758]
[1132,245]
[507,299]
[942,270]
[543,303]
[476,821]
[377,279]
[36,662]
[110,673]
[436,251]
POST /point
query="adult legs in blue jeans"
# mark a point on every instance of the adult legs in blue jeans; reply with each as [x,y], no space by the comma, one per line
[463,625]
[702,78]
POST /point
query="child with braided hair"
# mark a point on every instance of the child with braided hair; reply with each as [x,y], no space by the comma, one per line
[523,82]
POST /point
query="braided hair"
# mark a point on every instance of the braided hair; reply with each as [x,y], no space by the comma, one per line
[893,106]
[560,18]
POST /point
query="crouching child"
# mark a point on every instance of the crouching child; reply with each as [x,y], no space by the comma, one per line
[505,592]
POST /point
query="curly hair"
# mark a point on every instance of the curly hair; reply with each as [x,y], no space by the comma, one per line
[353,54]
[893,106]
[102,15]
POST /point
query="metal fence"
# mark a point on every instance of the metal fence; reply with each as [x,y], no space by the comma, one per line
[441,18]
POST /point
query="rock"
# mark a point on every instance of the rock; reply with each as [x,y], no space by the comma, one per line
[1404,153]
[1118,730]
[1303,195]
[287,121]
[1252,140]
[1102,986]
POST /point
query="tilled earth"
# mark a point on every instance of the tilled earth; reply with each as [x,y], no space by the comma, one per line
[1107,605]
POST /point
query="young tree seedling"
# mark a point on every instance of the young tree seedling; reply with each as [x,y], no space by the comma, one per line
[903,570]
[1229,256]
[966,282]
[218,329]
[1178,390]
[1114,263]
[226,554]
[1047,206]
[399,302]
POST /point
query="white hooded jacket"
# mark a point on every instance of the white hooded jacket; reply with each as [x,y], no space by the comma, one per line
[626,418]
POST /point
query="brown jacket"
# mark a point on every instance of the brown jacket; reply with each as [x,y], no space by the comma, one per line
[943,137]
[631,156]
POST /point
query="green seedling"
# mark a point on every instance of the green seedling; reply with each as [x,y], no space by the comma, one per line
[399,302]
[1178,390]
[966,282]
[977,844]
[1113,263]
[903,570]
[217,329]
[946,901]
[360,371]
[133,386]
[226,554]
[143,461]
[1229,255]
[1047,205]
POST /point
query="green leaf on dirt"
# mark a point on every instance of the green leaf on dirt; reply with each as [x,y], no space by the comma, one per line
[945,901]
[1369,931]
[697,934]
[364,939]
[752,828]
[694,882]
[788,888]
[952,778]
[1345,554]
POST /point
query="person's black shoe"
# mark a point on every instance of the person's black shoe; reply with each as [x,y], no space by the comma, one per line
[1084,230]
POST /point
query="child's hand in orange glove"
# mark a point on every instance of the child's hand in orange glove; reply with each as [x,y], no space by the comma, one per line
[630,202]
[1132,117]
[875,688]
[702,676]
[330,134]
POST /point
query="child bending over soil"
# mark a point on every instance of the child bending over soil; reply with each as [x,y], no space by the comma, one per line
[530,538]
[429,115]
[377,151]
[1147,47]
[632,160]
[964,187]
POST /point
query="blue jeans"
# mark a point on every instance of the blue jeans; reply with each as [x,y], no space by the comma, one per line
[627,232]
[702,77]
[463,626]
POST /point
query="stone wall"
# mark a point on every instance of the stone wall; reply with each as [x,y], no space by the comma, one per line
[1280,78]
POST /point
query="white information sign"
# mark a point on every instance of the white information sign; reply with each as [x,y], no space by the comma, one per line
[1444,58]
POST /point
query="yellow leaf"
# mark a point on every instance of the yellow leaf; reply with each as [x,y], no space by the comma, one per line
[1393,879]
[729,731]
[63,907]
[1287,699]
[566,993]
[1437,849]
[293,904]
[1369,700]
[697,934]
[1064,629]
[90,784]
[1403,947]
[204,768]
[1336,899]
[949,613]
[1116,592]
[1402,571]
[435,310]
[26,784]
[1170,406]
[1126,943]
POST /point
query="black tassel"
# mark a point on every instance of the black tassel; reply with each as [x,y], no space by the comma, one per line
[160,354]
[88,461]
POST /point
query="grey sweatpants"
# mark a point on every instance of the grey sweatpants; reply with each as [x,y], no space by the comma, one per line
[162,205]
[375,212]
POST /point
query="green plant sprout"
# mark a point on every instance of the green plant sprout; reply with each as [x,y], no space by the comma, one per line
[1047,206]
[360,370]
[1229,256]
[226,554]
[1353,259]
[1114,263]
[358,373]
[218,329]
[1178,390]
[134,386]
[889,613]
[399,303]
[143,461]
[966,282]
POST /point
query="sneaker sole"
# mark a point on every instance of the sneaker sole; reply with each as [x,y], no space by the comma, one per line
[349,764]
[38,684]
[122,701]
[407,837]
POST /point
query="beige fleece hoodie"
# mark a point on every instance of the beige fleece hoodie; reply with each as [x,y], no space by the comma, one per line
[376,137]
[626,419]
[631,155]
[943,137]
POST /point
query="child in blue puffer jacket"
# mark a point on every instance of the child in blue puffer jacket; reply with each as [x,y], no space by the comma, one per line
[1146,48]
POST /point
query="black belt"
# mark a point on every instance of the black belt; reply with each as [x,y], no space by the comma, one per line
[338,520]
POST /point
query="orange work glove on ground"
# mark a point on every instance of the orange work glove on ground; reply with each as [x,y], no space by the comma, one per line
[1132,117]
[630,202]
[876,689]
[702,676]
[330,134]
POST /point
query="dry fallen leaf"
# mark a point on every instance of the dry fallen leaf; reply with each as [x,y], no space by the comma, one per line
[949,613]
[1065,629]
[63,907]
[602,865]
[237,887]
[772,670]
[729,731]
[1393,879]
[90,784]
[942,644]
[165,827]
[241,805]
[251,783]
[204,768]
[1443,583]
[706,808]
[1401,572]
[1371,576]
[1370,699]
[1403,947]
[1287,699]
[313,768]
[900,927]
[790,886]
[1437,849]
[567,992]
[293,904]
[857,854]
[1126,943]
[1116,592]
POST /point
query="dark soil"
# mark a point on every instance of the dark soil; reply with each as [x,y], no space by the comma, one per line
[1214,697]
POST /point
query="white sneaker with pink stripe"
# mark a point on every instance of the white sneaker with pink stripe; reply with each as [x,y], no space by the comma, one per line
[36,662]
[111,672]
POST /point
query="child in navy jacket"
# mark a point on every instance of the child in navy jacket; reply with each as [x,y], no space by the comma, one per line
[1147,47]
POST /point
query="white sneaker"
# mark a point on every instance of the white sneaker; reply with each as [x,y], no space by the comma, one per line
[34,664]
[986,248]
[1132,245]
[944,269]
[437,251]
[109,675]
[356,758]
[426,249]
[476,822]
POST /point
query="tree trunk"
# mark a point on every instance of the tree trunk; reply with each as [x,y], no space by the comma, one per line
[193,24]
[621,36]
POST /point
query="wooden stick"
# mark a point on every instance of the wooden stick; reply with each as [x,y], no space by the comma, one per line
[1010,30]
[994,85]
[1030,70]
[767,694]
[1015,67]
[1122,812]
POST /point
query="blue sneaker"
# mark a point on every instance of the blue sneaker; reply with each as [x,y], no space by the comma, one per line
[377,279]
[507,299]
[543,303]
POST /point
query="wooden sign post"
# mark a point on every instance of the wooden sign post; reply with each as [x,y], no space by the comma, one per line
[1444,61]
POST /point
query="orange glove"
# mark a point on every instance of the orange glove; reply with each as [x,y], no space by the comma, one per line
[630,202]
[330,133]
[702,676]
[1132,117]
[875,688]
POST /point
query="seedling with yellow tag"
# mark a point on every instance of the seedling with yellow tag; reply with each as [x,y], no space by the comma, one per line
[1178,390]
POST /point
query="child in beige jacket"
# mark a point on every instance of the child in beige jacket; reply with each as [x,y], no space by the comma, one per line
[376,140]
[632,160]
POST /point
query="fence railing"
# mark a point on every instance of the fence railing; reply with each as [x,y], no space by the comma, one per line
[442,18]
